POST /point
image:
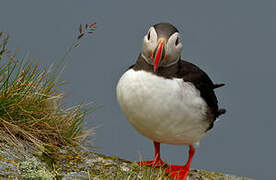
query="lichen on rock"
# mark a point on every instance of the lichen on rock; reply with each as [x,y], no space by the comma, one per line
[33,169]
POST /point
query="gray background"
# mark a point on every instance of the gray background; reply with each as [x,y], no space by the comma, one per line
[233,41]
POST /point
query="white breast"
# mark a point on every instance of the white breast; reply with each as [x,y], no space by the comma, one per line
[165,110]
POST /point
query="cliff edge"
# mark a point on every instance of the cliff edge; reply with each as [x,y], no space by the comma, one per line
[83,164]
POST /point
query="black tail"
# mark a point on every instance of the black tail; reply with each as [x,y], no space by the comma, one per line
[218,85]
[220,112]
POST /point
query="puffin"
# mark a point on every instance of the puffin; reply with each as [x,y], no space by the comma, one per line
[167,99]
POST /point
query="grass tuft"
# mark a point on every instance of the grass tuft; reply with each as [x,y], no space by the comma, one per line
[31,104]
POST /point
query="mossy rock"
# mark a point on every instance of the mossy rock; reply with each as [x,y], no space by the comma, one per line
[83,164]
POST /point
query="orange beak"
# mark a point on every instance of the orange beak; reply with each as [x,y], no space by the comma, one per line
[158,55]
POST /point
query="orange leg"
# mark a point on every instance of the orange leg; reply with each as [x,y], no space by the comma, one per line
[157,162]
[178,172]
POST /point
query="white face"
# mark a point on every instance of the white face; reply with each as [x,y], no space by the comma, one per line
[171,50]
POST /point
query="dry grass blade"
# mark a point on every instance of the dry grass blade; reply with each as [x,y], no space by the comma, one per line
[80,36]
[92,25]
[80,29]
[89,29]
[30,106]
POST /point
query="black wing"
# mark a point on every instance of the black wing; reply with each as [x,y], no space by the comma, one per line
[191,73]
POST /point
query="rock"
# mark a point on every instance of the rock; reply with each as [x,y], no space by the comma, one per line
[196,174]
[83,164]
[33,169]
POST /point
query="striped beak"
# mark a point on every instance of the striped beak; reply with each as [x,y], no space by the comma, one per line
[159,54]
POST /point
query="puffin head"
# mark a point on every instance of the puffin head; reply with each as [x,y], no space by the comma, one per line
[162,46]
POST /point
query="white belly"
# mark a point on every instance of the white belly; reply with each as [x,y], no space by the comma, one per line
[165,110]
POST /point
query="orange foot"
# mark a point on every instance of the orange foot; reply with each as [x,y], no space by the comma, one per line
[177,172]
[155,163]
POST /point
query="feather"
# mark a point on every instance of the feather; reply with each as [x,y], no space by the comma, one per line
[218,85]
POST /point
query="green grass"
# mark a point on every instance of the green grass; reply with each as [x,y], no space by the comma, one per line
[141,173]
[31,103]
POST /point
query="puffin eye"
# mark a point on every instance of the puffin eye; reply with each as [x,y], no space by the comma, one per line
[176,41]
[148,36]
